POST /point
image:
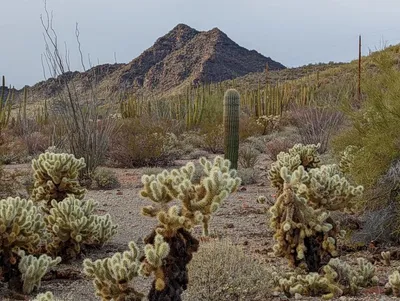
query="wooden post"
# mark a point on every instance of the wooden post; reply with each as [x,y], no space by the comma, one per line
[359,68]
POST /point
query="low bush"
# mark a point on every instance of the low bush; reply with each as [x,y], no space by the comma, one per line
[106,179]
[221,270]
[248,155]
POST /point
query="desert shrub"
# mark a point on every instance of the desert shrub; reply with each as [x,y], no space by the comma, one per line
[221,270]
[248,176]
[143,144]
[213,141]
[268,123]
[317,124]
[374,127]
[258,143]
[277,145]
[248,127]
[106,179]
[12,149]
[151,170]
[197,153]
[248,155]
[36,143]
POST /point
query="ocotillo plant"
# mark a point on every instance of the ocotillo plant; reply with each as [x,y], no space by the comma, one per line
[231,125]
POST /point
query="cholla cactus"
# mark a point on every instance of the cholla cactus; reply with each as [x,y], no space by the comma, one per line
[268,123]
[299,154]
[199,201]
[21,226]
[307,193]
[328,189]
[196,204]
[33,269]
[394,283]
[72,223]
[56,177]
[47,296]
[386,257]
[154,256]
[111,276]
[295,221]
[352,279]
[312,284]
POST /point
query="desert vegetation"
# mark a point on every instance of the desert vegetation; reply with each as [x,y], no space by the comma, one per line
[279,184]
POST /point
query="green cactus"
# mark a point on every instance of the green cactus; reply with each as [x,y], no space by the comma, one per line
[231,126]
[312,284]
[21,227]
[196,204]
[347,158]
[307,193]
[73,224]
[56,177]
[111,276]
[153,263]
[199,201]
[338,278]
[386,258]
[5,105]
[304,155]
[394,283]
[47,296]
[352,279]
[33,269]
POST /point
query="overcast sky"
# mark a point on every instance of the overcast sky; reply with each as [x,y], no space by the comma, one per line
[293,32]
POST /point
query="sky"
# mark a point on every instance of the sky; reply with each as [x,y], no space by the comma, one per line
[292,32]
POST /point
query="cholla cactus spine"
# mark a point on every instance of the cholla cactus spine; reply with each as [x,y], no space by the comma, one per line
[394,283]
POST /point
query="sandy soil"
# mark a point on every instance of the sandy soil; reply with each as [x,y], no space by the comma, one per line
[240,219]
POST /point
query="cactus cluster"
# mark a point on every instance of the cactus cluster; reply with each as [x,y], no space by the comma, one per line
[347,158]
[47,296]
[72,224]
[112,275]
[338,278]
[56,177]
[307,193]
[393,285]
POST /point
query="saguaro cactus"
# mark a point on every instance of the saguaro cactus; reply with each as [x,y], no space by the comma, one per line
[231,125]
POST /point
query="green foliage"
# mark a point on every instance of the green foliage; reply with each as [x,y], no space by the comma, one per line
[111,275]
[106,179]
[374,126]
[56,177]
[231,126]
[73,224]
[33,269]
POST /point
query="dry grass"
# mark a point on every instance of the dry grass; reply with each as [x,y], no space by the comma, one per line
[221,270]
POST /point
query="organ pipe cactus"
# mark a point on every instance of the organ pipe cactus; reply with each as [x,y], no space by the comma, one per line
[231,126]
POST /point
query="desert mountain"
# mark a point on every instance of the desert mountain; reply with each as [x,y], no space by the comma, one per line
[182,56]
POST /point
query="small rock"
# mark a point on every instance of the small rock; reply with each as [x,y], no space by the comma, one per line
[245,243]
[119,193]
[242,188]
[229,226]
[297,296]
